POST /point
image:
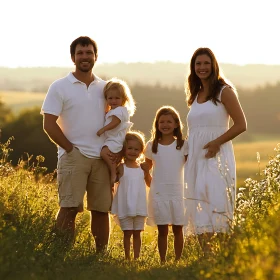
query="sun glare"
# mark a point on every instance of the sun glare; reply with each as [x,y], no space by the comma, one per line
[142,31]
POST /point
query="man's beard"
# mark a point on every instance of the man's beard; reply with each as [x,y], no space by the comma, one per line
[85,70]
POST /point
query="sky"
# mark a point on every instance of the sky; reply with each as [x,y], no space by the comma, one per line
[39,32]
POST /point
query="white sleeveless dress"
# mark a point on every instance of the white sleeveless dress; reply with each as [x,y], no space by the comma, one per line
[210,183]
[166,195]
[130,198]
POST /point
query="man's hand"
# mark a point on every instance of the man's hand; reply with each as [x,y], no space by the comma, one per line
[115,157]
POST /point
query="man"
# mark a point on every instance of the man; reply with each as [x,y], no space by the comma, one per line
[73,113]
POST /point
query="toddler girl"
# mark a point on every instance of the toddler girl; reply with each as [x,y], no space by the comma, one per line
[121,106]
[129,203]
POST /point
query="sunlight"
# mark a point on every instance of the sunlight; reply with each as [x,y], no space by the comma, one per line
[139,31]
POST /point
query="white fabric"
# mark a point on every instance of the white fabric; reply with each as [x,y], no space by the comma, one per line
[166,196]
[130,198]
[210,183]
[132,223]
[80,110]
[114,138]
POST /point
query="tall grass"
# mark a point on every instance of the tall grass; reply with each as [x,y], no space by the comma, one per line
[30,249]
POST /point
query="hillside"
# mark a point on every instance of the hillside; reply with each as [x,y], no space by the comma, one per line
[161,73]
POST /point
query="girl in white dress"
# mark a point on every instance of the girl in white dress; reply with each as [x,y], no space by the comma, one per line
[120,107]
[166,152]
[129,203]
[210,169]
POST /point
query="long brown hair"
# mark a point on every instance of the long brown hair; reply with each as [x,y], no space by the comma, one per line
[157,135]
[193,83]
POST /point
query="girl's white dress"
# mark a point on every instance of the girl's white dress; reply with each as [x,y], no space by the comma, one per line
[130,199]
[114,138]
[166,195]
[210,183]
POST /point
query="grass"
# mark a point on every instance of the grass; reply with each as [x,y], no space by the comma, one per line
[18,101]
[30,248]
[248,163]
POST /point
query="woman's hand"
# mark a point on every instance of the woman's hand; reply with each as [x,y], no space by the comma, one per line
[213,148]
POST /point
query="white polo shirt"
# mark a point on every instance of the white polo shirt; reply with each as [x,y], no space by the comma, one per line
[80,111]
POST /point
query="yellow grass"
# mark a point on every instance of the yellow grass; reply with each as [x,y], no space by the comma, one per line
[247,164]
[20,100]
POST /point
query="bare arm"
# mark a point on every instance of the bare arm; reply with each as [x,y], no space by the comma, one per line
[119,172]
[146,166]
[114,123]
[233,107]
[55,133]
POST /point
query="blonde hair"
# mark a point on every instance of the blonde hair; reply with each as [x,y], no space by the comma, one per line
[124,91]
[140,138]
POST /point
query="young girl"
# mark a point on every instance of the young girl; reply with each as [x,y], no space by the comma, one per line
[129,203]
[167,153]
[121,106]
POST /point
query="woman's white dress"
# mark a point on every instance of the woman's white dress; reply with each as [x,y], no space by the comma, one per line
[130,199]
[210,183]
[166,195]
[114,138]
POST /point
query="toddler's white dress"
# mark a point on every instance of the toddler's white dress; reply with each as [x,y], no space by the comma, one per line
[114,138]
[166,195]
[210,183]
[130,198]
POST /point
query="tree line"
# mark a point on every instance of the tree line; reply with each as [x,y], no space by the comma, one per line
[261,107]
[165,73]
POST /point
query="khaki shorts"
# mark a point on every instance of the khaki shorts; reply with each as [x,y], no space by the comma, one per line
[77,174]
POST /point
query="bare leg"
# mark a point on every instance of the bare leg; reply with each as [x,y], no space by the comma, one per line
[112,165]
[126,243]
[136,243]
[100,229]
[65,223]
[178,241]
[204,241]
[162,241]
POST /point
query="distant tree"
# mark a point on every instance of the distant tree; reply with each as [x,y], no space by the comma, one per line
[30,139]
[261,107]
[6,116]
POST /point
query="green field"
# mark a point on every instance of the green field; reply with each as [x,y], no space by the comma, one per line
[31,248]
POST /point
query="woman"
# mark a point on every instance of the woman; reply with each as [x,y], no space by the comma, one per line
[210,168]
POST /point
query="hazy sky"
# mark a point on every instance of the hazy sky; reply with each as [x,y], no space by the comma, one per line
[39,32]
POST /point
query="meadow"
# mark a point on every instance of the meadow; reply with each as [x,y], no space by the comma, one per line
[19,100]
[31,249]
[252,157]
